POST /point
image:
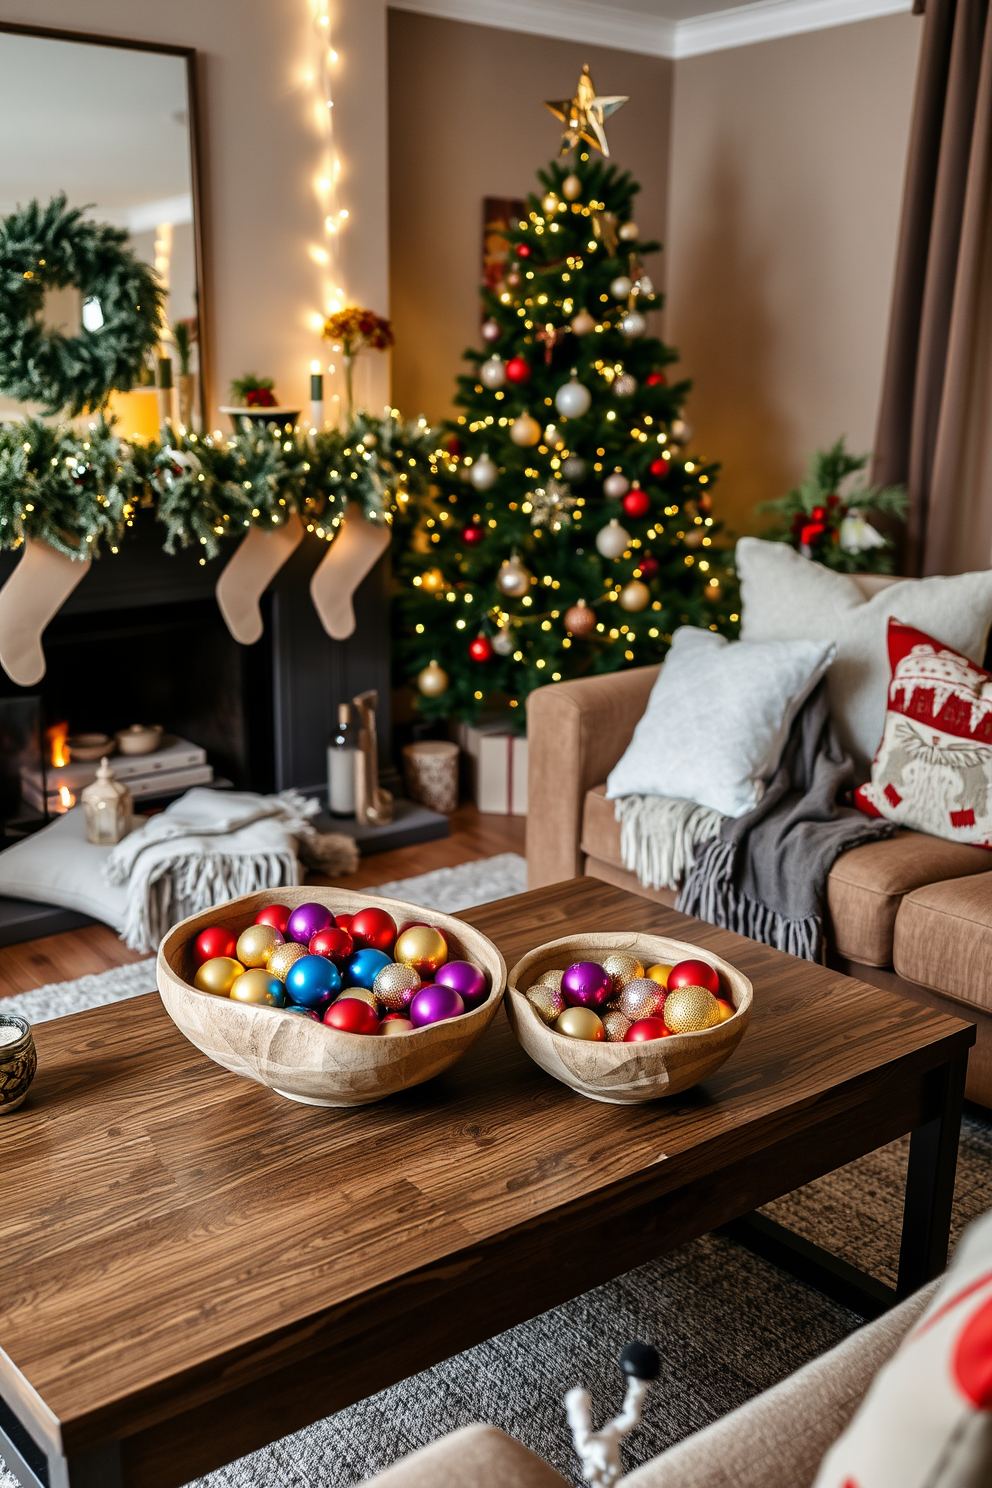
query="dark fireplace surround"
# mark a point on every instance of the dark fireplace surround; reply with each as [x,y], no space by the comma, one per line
[141,640]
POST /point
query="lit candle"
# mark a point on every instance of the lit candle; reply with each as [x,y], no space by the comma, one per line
[66,798]
[316,396]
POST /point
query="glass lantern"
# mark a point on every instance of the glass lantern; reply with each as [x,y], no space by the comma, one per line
[108,807]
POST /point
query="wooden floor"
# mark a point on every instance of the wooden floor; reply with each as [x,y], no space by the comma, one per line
[58,958]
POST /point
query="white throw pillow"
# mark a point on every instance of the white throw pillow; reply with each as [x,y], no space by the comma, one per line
[58,866]
[926,1422]
[785,596]
[717,719]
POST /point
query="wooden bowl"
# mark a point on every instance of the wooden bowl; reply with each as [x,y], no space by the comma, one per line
[625,1074]
[297,1057]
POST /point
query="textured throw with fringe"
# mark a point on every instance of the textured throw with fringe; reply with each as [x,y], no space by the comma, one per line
[659,836]
[214,845]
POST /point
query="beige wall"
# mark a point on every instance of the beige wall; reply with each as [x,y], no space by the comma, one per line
[261,153]
[467,121]
[787,172]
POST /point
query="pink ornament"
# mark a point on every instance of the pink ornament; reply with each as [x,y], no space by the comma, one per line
[586,984]
[467,980]
[434,1004]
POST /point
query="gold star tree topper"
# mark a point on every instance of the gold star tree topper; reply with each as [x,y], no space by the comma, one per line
[585,115]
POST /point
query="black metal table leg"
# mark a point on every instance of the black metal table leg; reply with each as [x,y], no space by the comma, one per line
[933,1157]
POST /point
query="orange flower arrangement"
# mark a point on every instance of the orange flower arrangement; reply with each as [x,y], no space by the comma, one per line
[354,329]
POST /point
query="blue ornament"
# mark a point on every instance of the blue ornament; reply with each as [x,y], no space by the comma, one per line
[361,969]
[304,1012]
[312,981]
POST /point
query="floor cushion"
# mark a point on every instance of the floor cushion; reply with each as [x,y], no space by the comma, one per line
[943,938]
[58,866]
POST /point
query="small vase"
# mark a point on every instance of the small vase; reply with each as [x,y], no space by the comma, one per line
[18,1061]
[187,383]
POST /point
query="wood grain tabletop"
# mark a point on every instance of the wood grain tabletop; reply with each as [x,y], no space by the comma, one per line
[193,1264]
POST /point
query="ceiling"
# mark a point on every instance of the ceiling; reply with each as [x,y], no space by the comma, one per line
[661,28]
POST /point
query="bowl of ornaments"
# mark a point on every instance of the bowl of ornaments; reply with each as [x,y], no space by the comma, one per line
[327,996]
[626,1018]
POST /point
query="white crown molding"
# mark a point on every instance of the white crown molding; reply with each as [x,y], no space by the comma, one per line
[633,31]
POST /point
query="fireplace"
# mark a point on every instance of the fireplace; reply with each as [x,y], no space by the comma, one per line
[141,640]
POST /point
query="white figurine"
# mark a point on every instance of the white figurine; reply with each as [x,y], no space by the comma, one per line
[600,1450]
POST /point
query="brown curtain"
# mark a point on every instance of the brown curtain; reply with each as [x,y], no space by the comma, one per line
[935,420]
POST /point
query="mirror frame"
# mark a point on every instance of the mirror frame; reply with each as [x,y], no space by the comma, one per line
[189,54]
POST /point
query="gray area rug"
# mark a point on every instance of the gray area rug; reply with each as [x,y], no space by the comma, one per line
[727,1325]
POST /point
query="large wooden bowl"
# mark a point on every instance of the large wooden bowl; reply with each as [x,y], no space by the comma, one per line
[302,1059]
[625,1074]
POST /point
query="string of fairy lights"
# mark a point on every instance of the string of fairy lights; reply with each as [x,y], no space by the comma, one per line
[319,76]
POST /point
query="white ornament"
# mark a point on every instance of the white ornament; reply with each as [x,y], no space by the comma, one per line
[633,323]
[616,485]
[624,385]
[573,398]
[490,330]
[574,468]
[621,287]
[525,430]
[857,535]
[492,373]
[583,323]
[503,641]
[484,473]
[513,578]
[644,285]
[612,540]
[680,431]
[628,231]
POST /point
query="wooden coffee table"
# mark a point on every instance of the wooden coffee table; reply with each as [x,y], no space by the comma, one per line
[191,1267]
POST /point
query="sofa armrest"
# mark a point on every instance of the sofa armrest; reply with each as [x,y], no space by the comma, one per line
[576,733]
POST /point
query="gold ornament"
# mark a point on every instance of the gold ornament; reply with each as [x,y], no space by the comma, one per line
[604,227]
[422,947]
[583,323]
[640,998]
[571,187]
[550,203]
[432,582]
[581,1023]
[660,973]
[396,1026]
[553,978]
[282,957]
[525,430]
[256,944]
[616,1025]
[580,619]
[725,1008]
[585,115]
[622,968]
[635,596]
[361,994]
[433,680]
[392,982]
[546,1000]
[218,975]
[691,1009]
[629,232]
[258,986]
[713,590]
[513,578]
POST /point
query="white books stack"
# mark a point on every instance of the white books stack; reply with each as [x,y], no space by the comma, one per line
[498,766]
[168,771]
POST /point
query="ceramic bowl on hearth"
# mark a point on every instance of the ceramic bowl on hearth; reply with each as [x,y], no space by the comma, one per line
[298,1057]
[625,1074]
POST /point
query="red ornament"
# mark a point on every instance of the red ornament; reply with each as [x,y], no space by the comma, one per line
[648,566]
[333,942]
[344,921]
[481,649]
[694,974]
[645,1029]
[661,465]
[811,532]
[654,379]
[473,534]
[214,942]
[637,502]
[523,250]
[373,929]
[276,915]
[518,371]
[454,445]
[351,1015]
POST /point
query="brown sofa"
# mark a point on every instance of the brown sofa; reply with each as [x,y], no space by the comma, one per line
[913,914]
[775,1441]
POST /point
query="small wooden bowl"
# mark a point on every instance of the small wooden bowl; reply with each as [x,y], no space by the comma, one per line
[303,1060]
[625,1074]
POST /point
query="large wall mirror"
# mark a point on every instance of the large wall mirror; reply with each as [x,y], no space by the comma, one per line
[112,124]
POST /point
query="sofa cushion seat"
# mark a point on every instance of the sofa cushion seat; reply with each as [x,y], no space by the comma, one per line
[943,939]
[600,828]
[868,884]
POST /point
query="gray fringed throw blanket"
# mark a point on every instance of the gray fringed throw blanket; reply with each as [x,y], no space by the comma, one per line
[765,874]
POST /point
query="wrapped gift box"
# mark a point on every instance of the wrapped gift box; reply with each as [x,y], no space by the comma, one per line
[497,761]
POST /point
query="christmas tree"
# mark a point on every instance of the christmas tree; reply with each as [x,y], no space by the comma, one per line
[568,531]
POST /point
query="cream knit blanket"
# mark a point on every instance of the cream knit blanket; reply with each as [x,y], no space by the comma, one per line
[659,836]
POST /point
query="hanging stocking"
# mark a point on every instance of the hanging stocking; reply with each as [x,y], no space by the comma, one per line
[354,552]
[249,573]
[35,592]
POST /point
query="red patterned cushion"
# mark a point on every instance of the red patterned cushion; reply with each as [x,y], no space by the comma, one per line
[933,769]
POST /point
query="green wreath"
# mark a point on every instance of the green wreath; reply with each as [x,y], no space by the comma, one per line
[51,248]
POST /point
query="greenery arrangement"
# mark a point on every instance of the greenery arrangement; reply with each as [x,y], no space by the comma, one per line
[75,494]
[571,531]
[250,391]
[53,247]
[831,527]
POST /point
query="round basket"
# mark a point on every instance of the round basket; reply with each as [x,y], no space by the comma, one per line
[297,1057]
[625,1074]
